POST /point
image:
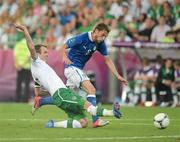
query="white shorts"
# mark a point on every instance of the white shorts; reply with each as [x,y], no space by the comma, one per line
[75,76]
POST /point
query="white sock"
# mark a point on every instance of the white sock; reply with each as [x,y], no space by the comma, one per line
[92,110]
[175,99]
[76,124]
[107,112]
[137,90]
[62,124]
[136,97]
[143,94]
[154,98]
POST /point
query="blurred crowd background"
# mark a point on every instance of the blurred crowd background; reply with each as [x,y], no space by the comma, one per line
[52,22]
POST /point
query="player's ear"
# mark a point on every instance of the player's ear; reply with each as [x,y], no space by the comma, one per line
[95,30]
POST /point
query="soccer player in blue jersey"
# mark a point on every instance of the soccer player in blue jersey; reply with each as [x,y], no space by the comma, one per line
[76,52]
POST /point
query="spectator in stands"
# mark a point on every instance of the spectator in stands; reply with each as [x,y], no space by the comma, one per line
[178,35]
[160,30]
[84,26]
[3,7]
[116,9]
[12,37]
[169,37]
[137,8]
[145,31]
[18,16]
[50,39]
[22,64]
[47,9]
[164,81]
[127,17]
[67,15]
[23,6]
[44,24]
[55,27]
[10,6]
[50,13]
[13,7]
[39,37]
[37,10]
[176,9]
[144,81]
[4,38]
[155,10]
[176,84]
[114,33]
[123,36]
[156,67]
[5,19]
[167,13]
[31,20]
[64,36]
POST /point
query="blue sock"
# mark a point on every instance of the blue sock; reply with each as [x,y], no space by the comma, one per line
[46,101]
[92,100]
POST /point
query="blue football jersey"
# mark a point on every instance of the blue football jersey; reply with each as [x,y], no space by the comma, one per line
[81,48]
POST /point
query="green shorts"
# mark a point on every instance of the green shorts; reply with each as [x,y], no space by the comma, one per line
[70,102]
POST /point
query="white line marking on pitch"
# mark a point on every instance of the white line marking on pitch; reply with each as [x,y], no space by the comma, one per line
[42,120]
[122,122]
[91,138]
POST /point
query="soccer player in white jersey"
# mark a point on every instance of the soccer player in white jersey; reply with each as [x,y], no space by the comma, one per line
[76,53]
[62,97]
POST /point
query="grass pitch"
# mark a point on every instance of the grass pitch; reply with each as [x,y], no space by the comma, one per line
[17,124]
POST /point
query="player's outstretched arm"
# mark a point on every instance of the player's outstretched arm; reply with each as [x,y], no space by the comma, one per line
[29,41]
[112,67]
[63,53]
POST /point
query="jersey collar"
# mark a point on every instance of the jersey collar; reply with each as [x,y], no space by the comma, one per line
[90,36]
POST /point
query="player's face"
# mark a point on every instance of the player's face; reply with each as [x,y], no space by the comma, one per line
[168,63]
[100,35]
[176,66]
[44,53]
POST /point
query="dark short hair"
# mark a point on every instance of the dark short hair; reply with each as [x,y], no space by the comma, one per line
[101,27]
[38,47]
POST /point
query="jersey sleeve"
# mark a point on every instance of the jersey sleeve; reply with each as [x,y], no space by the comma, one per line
[102,48]
[72,42]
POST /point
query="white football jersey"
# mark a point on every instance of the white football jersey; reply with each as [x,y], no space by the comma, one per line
[46,76]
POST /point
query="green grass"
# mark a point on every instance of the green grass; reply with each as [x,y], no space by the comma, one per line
[17,124]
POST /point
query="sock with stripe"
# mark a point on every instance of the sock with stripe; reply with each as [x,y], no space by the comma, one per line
[46,101]
[70,123]
[92,99]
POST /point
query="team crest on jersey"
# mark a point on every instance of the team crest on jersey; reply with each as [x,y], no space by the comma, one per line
[88,52]
[72,40]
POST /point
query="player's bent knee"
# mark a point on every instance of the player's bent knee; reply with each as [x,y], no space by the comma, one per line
[83,122]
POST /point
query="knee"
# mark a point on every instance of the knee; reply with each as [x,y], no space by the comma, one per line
[83,122]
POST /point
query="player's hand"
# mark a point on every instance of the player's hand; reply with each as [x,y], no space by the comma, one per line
[20,27]
[124,81]
[168,82]
[18,67]
[66,60]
